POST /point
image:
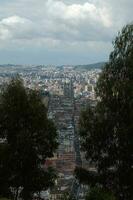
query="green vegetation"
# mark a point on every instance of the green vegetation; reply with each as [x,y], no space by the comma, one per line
[106,131]
[67,196]
[99,194]
[30,138]
[4,199]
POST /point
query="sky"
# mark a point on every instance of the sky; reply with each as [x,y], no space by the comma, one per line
[60,31]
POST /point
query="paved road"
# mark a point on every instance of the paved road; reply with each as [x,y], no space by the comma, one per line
[76,186]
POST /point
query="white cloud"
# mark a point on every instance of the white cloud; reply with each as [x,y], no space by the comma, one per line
[59,21]
[14,27]
[62,24]
[13,21]
[78,13]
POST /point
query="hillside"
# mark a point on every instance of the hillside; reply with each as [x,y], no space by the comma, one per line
[90,66]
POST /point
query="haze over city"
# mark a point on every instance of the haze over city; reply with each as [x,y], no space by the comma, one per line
[60,31]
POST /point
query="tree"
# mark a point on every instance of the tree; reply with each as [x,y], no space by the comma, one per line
[30,138]
[4,199]
[67,196]
[107,130]
[99,194]
[4,173]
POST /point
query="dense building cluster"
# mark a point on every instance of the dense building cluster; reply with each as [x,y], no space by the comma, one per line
[66,92]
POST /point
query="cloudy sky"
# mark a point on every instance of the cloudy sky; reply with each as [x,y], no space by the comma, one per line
[60,31]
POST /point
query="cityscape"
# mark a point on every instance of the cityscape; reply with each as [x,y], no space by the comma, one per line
[66,100]
[66,91]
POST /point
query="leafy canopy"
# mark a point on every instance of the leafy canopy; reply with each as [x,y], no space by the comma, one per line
[30,138]
[99,194]
[107,130]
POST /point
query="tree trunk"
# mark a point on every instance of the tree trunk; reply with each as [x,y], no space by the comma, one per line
[16,195]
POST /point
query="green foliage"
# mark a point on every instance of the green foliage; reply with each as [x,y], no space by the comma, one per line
[30,138]
[106,130]
[99,194]
[85,176]
[4,199]
[67,196]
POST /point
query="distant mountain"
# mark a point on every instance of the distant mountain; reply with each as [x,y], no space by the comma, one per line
[99,65]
